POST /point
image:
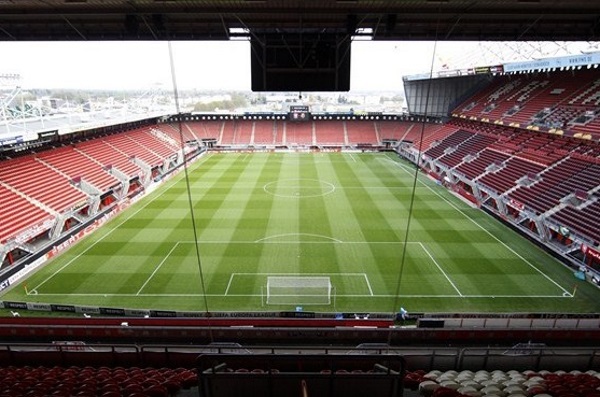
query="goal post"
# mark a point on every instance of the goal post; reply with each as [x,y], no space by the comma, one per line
[299,290]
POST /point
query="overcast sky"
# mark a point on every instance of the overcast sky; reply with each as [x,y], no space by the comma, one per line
[226,65]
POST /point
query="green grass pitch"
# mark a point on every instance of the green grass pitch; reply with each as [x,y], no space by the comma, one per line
[328,214]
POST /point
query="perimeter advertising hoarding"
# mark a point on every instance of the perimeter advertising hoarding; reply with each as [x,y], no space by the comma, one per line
[553,63]
[590,252]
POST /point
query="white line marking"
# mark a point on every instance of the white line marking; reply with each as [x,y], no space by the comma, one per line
[485,230]
[368,284]
[299,274]
[201,186]
[298,234]
[441,270]
[266,241]
[229,283]
[407,188]
[352,157]
[566,294]
[297,194]
[345,295]
[172,182]
[158,267]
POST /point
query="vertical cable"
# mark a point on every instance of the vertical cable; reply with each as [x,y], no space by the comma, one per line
[189,191]
[414,189]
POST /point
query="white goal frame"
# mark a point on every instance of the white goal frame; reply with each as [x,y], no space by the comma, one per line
[298,290]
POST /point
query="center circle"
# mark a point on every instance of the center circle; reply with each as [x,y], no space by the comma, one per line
[299,188]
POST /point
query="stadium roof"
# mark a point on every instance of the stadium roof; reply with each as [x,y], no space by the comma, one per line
[531,20]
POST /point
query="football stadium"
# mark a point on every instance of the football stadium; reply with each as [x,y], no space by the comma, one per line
[447,248]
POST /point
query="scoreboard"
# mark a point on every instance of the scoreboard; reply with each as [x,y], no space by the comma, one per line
[299,113]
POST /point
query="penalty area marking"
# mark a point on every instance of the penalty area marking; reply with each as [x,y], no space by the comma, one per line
[364,275]
[275,236]
[451,204]
[440,269]
[367,282]
[158,267]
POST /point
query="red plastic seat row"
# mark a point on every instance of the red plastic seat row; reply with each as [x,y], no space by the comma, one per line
[90,382]
[361,132]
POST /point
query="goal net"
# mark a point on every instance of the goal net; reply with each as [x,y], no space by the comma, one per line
[298,290]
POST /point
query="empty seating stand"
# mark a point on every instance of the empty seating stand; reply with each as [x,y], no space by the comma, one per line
[506,178]
[584,221]
[132,148]
[484,101]
[398,130]
[473,169]
[471,147]
[76,165]
[38,181]
[236,132]
[177,131]
[146,138]
[546,100]
[300,133]
[436,383]
[362,132]
[18,213]
[330,132]
[109,157]
[266,132]
[452,140]
[317,132]
[56,381]
[205,129]
[553,186]
[428,134]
